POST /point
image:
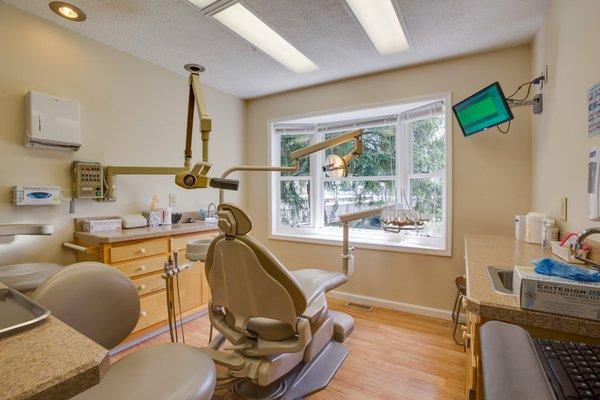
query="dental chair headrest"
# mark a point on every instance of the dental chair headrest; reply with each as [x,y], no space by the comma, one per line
[233,220]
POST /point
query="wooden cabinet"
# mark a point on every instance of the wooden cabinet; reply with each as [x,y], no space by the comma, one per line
[473,387]
[143,262]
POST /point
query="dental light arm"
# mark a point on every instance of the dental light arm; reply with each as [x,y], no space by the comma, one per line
[347,257]
[297,154]
[197,177]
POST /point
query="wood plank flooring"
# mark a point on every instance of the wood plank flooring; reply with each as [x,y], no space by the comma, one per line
[393,355]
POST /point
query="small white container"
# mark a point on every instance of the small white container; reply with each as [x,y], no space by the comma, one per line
[519,227]
[549,231]
[533,228]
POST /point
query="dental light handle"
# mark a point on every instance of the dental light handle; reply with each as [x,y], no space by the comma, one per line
[227,184]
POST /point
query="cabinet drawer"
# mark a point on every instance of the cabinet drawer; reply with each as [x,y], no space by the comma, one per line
[148,284]
[153,309]
[138,250]
[180,242]
[143,266]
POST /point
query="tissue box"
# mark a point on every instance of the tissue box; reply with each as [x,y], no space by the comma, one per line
[556,295]
[100,225]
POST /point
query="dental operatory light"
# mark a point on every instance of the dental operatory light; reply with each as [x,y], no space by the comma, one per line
[382,24]
[335,167]
[238,18]
[67,11]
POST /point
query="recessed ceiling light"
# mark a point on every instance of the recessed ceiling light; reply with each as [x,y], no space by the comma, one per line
[202,3]
[245,23]
[381,23]
[67,11]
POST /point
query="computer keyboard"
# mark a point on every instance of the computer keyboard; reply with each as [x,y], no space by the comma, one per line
[573,368]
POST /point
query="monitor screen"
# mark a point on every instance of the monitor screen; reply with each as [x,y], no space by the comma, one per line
[484,109]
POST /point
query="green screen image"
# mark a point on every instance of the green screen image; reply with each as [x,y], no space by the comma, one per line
[484,109]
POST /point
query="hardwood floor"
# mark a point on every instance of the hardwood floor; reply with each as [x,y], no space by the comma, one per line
[393,355]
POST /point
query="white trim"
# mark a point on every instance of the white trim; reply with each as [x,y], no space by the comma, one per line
[392,305]
[274,217]
[399,248]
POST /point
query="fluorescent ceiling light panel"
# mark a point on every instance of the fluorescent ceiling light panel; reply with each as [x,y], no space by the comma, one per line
[243,22]
[202,3]
[381,23]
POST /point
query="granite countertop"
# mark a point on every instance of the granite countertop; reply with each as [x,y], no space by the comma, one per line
[145,232]
[504,251]
[49,361]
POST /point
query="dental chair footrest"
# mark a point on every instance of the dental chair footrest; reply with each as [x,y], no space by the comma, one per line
[343,325]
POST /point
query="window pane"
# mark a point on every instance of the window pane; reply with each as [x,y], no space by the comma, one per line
[428,145]
[342,197]
[379,157]
[290,143]
[295,203]
[426,197]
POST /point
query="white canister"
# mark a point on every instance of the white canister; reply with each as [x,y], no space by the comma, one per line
[549,231]
[167,215]
[519,227]
[533,228]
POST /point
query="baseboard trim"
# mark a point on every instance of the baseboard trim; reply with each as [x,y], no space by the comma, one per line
[392,305]
[156,332]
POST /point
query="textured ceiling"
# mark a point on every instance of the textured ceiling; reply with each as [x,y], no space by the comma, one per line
[171,33]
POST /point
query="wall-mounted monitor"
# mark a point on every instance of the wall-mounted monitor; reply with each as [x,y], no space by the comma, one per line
[483,110]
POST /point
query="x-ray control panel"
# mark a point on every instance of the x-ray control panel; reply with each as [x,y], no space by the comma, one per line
[87,180]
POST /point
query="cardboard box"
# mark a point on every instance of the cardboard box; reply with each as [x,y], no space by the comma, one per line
[556,295]
[100,225]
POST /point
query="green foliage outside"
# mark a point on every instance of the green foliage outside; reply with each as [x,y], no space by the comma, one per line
[378,159]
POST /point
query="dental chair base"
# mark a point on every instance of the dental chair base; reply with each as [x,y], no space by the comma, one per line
[302,381]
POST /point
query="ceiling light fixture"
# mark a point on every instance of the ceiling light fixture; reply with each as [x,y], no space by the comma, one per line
[202,3]
[382,24]
[246,24]
[67,11]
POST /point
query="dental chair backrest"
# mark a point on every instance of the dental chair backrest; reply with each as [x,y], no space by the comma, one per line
[94,298]
[246,279]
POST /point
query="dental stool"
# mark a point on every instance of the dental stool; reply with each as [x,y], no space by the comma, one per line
[285,343]
[461,292]
[27,277]
[102,303]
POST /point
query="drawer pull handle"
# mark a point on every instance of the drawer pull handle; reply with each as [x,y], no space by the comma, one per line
[142,251]
[142,286]
[141,268]
[143,314]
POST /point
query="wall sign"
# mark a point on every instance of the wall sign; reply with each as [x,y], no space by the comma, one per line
[594,110]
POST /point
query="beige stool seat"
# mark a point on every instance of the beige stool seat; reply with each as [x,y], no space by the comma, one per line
[102,303]
[27,277]
[166,372]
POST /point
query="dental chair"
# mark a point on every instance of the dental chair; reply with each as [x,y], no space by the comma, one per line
[284,343]
[103,304]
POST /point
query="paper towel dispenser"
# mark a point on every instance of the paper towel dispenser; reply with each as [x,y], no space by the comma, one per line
[52,122]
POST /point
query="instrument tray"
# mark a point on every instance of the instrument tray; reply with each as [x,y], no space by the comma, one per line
[17,311]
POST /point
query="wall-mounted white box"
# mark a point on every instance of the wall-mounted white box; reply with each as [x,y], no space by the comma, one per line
[52,122]
[36,195]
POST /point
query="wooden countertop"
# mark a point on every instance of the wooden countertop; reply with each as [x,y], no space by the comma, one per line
[145,232]
[49,361]
[503,251]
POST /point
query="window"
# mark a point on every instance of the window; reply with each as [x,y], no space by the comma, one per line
[404,166]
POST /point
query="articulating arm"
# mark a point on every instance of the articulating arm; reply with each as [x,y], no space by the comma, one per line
[197,177]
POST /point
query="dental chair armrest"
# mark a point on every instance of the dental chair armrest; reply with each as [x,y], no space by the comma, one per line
[292,345]
[315,282]
[227,360]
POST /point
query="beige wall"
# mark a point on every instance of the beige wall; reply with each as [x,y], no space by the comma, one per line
[492,172]
[569,43]
[132,112]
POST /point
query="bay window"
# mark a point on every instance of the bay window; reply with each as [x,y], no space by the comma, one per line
[404,167]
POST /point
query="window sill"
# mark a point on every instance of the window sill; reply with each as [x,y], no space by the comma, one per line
[409,244]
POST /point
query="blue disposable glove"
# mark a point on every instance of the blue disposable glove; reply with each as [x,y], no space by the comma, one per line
[548,266]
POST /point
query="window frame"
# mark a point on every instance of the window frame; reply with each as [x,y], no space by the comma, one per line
[440,246]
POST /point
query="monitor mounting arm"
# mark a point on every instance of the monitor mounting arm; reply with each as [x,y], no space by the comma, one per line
[536,102]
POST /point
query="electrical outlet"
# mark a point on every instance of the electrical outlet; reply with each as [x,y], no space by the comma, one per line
[563,209]
[172,200]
